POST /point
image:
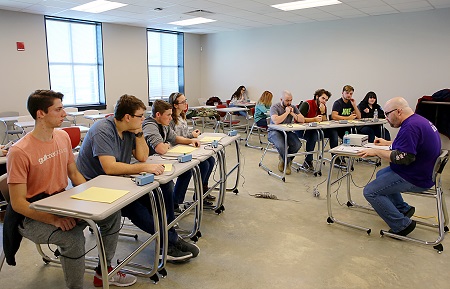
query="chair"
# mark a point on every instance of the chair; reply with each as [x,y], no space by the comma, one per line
[224,121]
[442,215]
[5,192]
[260,130]
[9,125]
[75,136]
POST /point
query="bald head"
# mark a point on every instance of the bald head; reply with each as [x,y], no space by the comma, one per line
[286,94]
[397,110]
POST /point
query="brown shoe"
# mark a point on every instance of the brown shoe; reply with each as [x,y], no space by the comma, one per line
[288,168]
[281,165]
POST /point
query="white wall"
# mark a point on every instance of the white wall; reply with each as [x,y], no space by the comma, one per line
[394,55]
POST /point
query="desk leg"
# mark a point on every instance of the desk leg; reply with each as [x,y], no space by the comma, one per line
[346,175]
[162,228]
[237,166]
[101,254]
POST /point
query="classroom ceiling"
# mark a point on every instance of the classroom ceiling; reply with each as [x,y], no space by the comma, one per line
[231,15]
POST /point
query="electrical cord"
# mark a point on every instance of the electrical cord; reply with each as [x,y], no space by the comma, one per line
[57,253]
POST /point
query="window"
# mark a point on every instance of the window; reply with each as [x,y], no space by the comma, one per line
[165,63]
[75,61]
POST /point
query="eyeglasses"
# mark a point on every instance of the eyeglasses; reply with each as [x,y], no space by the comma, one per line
[389,112]
[372,97]
[182,102]
[138,116]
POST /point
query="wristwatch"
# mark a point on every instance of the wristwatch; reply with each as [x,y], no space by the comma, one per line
[139,134]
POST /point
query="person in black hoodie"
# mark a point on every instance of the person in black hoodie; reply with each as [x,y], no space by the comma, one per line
[367,108]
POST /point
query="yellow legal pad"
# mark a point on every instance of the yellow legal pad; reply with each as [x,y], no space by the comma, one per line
[167,167]
[102,195]
[209,139]
[181,149]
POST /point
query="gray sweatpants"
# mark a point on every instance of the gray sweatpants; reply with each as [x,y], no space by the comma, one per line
[72,244]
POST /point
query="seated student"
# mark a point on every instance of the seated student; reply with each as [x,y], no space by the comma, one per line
[262,108]
[27,172]
[240,95]
[315,110]
[281,113]
[160,137]
[411,161]
[107,149]
[179,125]
[367,107]
[345,108]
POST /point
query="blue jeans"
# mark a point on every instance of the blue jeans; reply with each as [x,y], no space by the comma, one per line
[140,214]
[373,131]
[206,168]
[311,138]
[243,113]
[277,138]
[384,194]
[179,192]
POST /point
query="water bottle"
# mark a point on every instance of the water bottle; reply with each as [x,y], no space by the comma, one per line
[375,115]
[346,139]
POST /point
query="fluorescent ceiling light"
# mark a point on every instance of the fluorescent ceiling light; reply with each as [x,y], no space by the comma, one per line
[98,6]
[305,4]
[192,21]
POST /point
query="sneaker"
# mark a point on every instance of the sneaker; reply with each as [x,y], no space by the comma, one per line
[120,279]
[210,198]
[175,255]
[308,166]
[179,210]
[207,203]
[184,246]
[340,163]
[406,230]
[410,212]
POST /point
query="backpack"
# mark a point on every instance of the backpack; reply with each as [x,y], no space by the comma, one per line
[212,100]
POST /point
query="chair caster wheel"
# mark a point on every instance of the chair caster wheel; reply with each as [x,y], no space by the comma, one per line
[236,191]
[439,248]
[163,272]
[46,261]
[330,221]
[194,239]
[154,278]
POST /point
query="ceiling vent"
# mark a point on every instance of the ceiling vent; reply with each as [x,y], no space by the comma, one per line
[199,13]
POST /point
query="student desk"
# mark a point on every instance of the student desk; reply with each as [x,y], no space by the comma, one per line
[229,114]
[284,128]
[221,164]
[74,114]
[62,204]
[351,153]
[178,169]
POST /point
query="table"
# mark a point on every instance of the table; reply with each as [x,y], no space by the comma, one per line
[222,165]
[351,153]
[229,113]
[284,128]
[74,114]
[204,118]
[8,120]
[178,169]
[62,204]
[95,117]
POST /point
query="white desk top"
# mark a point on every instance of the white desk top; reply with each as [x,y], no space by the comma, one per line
[75,113]
[352,151]
[201,106]
[62,204]
[231,109]
[95,117]
[25,124]
[9,118]
[177,168]
[244,104]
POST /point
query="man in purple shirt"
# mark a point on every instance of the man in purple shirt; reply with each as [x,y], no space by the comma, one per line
[414,152]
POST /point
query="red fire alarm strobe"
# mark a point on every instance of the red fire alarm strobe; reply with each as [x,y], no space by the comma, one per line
[20,46]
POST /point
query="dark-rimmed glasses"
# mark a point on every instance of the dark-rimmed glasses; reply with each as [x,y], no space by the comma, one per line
[389,112]
[138,116]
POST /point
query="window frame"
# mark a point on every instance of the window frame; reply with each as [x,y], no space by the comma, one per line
[100,62]
[180,63]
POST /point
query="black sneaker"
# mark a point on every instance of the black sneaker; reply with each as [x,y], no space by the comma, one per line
[308,166]
[178,210]
[207,203]
[410,212]
[184,246]
[406,230]
[210,198]
[175,255]
[340,163]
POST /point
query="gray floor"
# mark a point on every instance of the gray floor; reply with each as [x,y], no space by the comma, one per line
[285,243]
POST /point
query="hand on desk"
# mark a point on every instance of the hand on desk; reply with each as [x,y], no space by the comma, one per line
[382,142]
[367,153]
[156,169]
[195,143]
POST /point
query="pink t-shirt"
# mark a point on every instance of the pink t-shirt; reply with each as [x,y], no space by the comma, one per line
[40,165]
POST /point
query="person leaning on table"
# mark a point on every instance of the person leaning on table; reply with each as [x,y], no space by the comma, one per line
[414,152]
[284,112]
[45,152]
[107,149]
